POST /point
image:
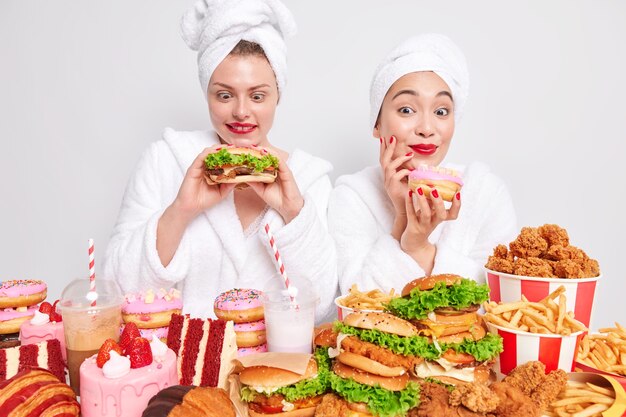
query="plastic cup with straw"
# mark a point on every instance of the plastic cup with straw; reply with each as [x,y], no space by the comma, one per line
[289,322]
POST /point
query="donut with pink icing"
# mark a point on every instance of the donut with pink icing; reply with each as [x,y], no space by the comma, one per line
[250,334]
[252,350]
[22,293]
[447,182]
[151,309]
[12,318]
[239,305]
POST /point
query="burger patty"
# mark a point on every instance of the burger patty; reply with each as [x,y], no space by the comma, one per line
[276,400]
[379,354]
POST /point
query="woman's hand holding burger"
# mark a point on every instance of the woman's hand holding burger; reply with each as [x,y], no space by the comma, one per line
[194,196]
[283,195]
[424,214]
[395,180]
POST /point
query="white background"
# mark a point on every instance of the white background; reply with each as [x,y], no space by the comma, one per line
[85,86]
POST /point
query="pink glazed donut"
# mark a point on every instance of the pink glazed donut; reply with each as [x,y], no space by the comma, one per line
[22,293]
[251,350]
[447,182]
[151,309]
[250,334]
[239,305]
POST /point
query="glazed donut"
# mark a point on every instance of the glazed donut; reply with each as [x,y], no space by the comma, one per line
[446,181]
[250,334]
[22,293]
[252,350]
[239,305]
[12,319]
[150,310]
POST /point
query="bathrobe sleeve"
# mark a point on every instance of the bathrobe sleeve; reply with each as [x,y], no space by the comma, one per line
[307,249]
[131,257]
[367,254]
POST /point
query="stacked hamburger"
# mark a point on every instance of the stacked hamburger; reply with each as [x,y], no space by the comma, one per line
[433,331]
[443,309]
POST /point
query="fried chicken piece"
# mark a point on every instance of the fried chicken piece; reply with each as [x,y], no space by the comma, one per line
[499,264]
[527,377]
[331,406]
[549,389]
[528,243]
[559,253]
[476,397]
[434,401]
[533,267]
[513,402]
[591,268]
[567,268]
[554,234]
[502,252]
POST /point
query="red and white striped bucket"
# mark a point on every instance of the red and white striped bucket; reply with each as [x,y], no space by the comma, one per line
[554,350]
[579,292]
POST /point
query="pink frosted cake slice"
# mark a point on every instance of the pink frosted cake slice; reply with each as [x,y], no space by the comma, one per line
[34,331]
[206,350]
[125,394]
[46,355]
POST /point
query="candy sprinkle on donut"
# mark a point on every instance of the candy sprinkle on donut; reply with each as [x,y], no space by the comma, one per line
[239,305]
[22,293]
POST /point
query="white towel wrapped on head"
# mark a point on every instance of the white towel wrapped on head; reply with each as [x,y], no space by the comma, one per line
[427,52]
[215,27]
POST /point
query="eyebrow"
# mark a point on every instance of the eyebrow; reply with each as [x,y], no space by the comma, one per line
[256,87]
[414,93]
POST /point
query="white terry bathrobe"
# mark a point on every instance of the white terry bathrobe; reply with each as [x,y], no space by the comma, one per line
[215,254]
[360,216]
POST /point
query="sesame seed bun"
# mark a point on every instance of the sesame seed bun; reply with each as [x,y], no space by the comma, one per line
[384,322]
[428,283]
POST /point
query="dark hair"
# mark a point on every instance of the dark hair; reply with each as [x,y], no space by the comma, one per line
[246,48]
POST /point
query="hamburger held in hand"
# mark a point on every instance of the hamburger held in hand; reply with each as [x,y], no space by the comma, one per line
[277,392]
[444,308]
[232,164]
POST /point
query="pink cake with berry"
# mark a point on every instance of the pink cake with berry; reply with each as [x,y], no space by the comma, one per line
[46,324]
[120,380]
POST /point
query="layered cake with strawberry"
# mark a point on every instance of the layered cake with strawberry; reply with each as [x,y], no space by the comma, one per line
[206,350]
[152,310]
[46,324]
[121,378]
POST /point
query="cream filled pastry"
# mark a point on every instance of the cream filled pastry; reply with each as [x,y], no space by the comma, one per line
[447,182]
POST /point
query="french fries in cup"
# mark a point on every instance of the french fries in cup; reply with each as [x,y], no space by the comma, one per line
[356,300]
[605,350]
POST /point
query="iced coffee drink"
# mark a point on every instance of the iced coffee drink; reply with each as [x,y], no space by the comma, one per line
[87,326]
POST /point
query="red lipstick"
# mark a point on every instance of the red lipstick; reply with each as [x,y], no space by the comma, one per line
[424,148]
[240,128]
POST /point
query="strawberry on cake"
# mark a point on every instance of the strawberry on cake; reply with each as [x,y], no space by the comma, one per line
[121,378]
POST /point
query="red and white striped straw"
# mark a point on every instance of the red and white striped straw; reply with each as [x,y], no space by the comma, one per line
[92,270]
[278,259]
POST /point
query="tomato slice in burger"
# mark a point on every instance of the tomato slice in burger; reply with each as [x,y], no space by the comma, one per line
[458,357]
[269,409]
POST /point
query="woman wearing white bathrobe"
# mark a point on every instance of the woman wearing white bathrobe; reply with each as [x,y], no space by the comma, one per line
[385,235]
[174,229]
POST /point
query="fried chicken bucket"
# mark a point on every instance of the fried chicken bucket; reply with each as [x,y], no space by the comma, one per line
[580,292]
[554,350]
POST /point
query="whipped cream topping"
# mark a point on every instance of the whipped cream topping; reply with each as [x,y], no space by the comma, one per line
[39,319]
[117,366]
[158,348]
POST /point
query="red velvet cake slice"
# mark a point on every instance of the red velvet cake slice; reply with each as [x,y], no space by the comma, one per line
[205,349]
[46,355]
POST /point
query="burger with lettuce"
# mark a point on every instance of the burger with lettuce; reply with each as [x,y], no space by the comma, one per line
[277,392]
[240,165]
[443,308]
[370,375]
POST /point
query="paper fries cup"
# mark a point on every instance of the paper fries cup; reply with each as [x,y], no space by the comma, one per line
[619,378]
[343,311]
[618,408]
[580,293]
[554,350]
